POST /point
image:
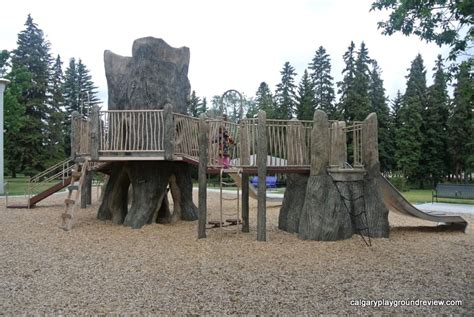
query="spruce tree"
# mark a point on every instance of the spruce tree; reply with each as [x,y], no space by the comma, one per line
[378,103]
[264,100]
[33,57]
[80,92]
[196,106]
[346,86]
[4,62]
[434,127]
[394,125]
[461,122]
[56,116]
[305,103]
[322,81]
[361,103]
[285,93]
[409,137]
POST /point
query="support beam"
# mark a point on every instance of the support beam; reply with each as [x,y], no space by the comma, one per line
[338,145]
[75,136]
[94,122]
[203,155]
[262,173]
[244,161]
[245,203]
[168,141]
[3,84]
[370,145]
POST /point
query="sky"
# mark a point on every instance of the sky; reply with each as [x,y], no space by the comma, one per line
[234,44]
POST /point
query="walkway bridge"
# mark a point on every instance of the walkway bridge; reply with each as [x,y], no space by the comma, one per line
[139,135]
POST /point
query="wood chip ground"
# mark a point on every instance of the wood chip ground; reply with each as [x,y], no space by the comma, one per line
[100,267]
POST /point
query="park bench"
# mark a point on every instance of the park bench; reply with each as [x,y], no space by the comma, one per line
[270,180]
[458,191]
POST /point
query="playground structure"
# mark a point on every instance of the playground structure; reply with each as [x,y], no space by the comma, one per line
[108,136]
[146,142]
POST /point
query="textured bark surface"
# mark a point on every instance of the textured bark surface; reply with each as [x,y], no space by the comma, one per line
[155,76]
[324,216]
[377,212]
[293,201]
[149,203]
[318,207]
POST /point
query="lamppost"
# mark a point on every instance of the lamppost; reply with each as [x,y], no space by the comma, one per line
[3,84]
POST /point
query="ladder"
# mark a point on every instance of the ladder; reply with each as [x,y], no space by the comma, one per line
[234,218]
[78,177]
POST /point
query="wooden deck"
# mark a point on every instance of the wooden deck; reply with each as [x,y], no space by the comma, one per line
[156,135]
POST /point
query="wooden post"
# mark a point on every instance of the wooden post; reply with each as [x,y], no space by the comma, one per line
[90,177]
[75,135]
[370,145]
[338,145]
[169,129]
[262,173]
[320,144]
[94,122]
[244,160]
[203,155]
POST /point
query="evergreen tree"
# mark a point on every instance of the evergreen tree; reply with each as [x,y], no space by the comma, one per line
[378,103]
[361,107]
[285,93]
[461,122]
[56,116]
[71,88]
[15,118]
[80,93]
[264,100]
[87,89]
[394,125]
[408,136]
[305,103]
[4,62]
[31,56]
[346,86]
[322,81]
[195,105]
[434,127]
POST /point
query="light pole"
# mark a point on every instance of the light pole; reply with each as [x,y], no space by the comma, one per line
[3,84]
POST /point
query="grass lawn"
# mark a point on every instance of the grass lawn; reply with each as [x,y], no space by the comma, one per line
[424,196]
[19,185]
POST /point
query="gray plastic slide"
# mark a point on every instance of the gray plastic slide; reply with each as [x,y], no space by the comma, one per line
[395,202]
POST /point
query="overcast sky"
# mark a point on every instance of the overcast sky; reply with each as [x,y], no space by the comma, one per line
[234,44]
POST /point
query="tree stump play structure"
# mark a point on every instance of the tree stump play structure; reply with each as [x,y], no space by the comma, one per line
[148,146]
[335,201]
[154,78]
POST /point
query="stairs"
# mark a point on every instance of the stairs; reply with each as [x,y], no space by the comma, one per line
[73,198]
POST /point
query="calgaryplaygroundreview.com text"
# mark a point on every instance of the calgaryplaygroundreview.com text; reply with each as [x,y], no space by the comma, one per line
[399,303]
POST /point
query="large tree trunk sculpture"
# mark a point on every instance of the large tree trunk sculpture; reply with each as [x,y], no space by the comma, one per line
[155,75]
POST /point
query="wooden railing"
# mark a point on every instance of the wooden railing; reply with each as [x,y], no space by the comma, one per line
[186,136]
[131,131]
[144,131]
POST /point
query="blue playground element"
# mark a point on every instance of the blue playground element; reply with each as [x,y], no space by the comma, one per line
[270,180]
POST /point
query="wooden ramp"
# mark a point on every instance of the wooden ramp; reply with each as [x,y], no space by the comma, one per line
[44,194]
[395,202]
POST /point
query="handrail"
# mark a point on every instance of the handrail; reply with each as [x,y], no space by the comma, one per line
[60,170]
[49,169]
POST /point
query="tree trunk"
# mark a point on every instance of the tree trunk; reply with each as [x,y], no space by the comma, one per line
[155,76]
